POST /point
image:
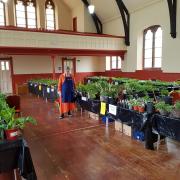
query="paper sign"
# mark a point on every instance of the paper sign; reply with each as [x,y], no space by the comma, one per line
[116,83]
[40,87]
[52,90]
[84,98]
[48,90]
[112,109]
[89,81]
[103,108]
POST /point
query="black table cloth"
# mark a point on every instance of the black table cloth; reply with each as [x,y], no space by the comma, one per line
[166,126]
[16,155]
[90,105]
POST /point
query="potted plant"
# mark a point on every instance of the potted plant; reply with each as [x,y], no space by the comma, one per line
[135,104]
[163,108]
[176,110]
[141,105]
[92,90]
[11,125]
[167,99]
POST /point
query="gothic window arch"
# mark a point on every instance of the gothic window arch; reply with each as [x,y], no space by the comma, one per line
[2,14]
[26,13]
[50,14]
[152,49]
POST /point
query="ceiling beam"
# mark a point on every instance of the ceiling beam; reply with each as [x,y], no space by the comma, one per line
[172,4]
[126,20]
[97,21]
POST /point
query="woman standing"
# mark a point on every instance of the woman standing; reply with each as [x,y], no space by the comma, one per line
[66,87]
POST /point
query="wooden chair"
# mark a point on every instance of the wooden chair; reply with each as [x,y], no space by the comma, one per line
[14,102]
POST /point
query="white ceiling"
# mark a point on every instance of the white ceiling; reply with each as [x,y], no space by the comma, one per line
[108,9]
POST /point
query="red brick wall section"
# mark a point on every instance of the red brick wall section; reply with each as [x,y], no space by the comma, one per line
[23,78]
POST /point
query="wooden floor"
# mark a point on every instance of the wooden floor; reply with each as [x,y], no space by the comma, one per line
[79,148]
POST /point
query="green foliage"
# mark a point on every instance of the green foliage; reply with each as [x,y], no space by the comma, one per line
[177,105]
[162,106]
[92,90]
[49,82]
[82,88]
[164,92]
[7,117]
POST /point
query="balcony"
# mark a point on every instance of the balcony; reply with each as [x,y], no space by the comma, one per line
[20,40]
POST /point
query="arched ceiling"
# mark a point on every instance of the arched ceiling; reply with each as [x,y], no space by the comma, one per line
[108,10]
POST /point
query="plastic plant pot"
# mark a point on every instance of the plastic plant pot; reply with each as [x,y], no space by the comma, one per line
[141,109]
[135,108]
[11,134]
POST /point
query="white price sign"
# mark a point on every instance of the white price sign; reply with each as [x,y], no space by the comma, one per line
[84,98]
[112,109]
[48,90]
[116,83]
[52,90]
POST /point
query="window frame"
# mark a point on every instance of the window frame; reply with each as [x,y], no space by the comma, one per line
[114,69]
[4,12]
[53,6]
[153,29]
[26,19]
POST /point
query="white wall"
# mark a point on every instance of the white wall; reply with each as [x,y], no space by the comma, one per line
[78,12]
[89,25]
[155,14]
[26,64]
[89,64]
[31,64]
[114,27]
[84,19]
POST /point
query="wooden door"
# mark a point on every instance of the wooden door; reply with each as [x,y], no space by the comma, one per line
[70,63]
[75,24]
[5,77]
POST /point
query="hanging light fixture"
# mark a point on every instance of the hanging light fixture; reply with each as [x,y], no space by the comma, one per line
[91,8]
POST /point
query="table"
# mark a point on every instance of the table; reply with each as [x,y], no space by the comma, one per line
[16,155]
[166,126]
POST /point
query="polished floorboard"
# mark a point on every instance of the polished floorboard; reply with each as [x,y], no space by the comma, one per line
[80,148]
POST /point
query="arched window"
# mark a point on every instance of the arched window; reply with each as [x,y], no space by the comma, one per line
[2,14]
[50,15]
[152,56]
[26,13]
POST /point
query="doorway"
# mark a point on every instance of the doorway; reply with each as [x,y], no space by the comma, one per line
[69,62]
[75,24]
[5,76]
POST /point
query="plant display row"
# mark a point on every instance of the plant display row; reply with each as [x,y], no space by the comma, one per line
[48,82]
[122,80]
[46,88]
[8,122]
[132,94]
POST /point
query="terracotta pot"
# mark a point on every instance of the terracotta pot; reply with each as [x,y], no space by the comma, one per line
[11,134]
[141,109]
[136,108]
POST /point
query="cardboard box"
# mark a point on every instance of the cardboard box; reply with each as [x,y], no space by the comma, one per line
[118,126]
[93,116]
[21,89]
[127,130]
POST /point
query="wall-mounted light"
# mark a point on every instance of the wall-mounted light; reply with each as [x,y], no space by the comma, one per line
[91,8]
